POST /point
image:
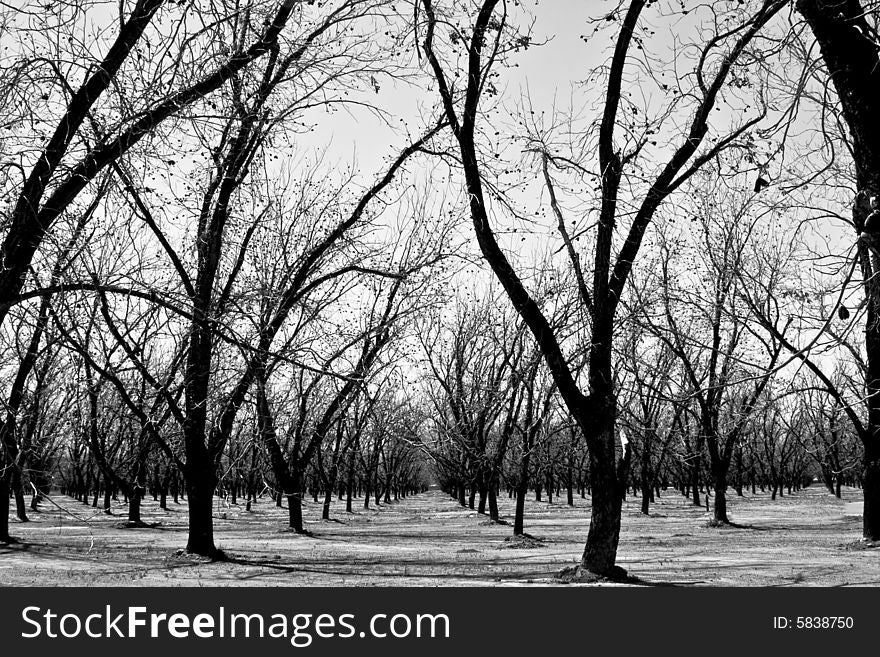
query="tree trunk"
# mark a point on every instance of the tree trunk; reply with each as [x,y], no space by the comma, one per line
[518,518]
[20,505]
[645,487]
[871,493]
[349,483]
[481,506]
[134,506]
[600,552]
[294,512]
[200,501]
[606,477]
[4,509]
[850,55]
[493,504]
[569,484]
[325,507]
[695,481]
[720,506]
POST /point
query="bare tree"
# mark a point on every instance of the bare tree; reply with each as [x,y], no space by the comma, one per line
[488,40]
[846,34]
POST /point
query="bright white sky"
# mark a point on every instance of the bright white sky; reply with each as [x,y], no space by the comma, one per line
[546,71]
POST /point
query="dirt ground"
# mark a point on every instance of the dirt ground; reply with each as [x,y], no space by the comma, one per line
[428,540]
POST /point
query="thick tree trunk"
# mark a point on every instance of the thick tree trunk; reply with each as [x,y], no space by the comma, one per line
[493,504]
[325,507]
[4,509]
[606,478]
[518,517]
[200,501]
[481,505]
[20,504]
[134,505]
[871,493]
[600,553]
[294,512]
[695,483]
[349,483]
[720,505]
[850,55]
[646,496]
[522,487]
[569,486]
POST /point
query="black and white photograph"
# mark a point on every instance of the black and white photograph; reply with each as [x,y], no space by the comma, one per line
[440,294]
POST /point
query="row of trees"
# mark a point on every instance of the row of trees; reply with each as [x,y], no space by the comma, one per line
[191,291]
[651,140]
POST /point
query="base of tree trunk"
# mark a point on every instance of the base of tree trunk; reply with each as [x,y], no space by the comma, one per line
[137,524]
[714,522]
[8,540]
[862,544]
[522,542]
[580,575]
[489,522]
[216,555]
[299,532]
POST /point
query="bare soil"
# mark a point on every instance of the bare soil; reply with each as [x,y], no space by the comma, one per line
[806,539]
